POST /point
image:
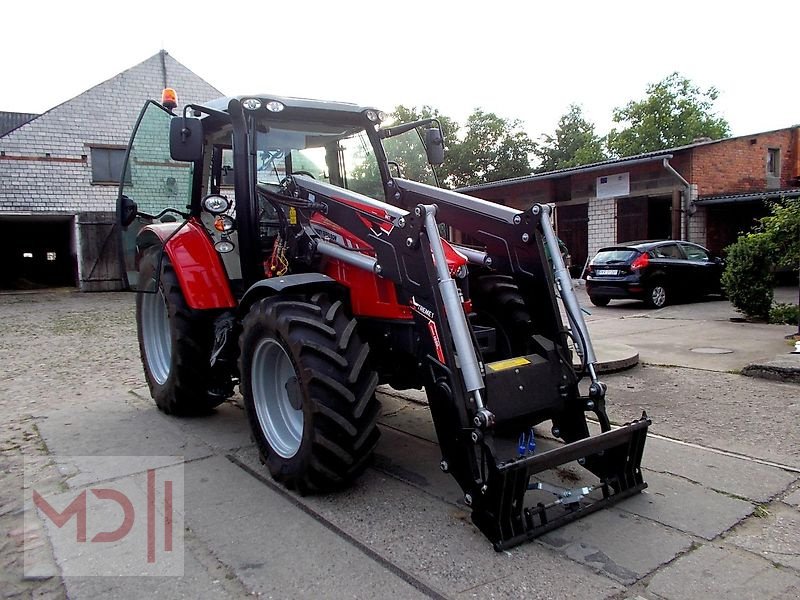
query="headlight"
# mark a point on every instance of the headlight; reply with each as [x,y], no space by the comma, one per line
[372,116]
[251,103]
[275,106]
[224,246]
[216,204]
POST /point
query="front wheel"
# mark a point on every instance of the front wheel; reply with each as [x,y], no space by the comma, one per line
[308,392]
[599,300]
[656,296]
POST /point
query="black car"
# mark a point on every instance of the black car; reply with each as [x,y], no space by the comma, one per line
[654,271]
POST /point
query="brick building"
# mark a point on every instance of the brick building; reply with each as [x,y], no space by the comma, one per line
[59,173]
[707,192]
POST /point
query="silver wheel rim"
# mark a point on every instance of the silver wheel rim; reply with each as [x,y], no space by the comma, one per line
[156,336]
[282,424]
[659,295]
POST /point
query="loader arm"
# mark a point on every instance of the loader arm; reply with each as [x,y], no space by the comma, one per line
[474,405]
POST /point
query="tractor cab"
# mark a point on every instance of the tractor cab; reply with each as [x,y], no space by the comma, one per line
[217,163]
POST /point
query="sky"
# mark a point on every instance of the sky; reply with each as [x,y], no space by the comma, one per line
[521,60]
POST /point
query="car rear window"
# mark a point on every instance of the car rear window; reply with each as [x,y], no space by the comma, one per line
[617,255]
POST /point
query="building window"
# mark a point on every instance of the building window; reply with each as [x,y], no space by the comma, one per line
[107,165]
[773,162]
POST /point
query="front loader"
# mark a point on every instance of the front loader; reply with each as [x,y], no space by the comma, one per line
[307,269]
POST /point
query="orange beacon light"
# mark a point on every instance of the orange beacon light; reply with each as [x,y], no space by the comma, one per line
[169,99]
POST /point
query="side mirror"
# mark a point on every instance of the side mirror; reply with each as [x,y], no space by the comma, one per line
[186,139]
[127,211]
[434,145]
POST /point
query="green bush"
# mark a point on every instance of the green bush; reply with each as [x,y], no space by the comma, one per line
[748,279]
[784,314]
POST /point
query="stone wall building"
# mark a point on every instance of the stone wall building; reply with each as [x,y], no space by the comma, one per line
[707,192]
[60,171]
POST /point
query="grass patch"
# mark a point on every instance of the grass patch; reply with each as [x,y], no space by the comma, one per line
[761,512]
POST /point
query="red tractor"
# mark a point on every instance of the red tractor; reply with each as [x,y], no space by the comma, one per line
[281,245]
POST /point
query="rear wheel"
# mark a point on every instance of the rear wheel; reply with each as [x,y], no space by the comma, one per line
[308,392]
[174,342]
[599,300]
[656,296]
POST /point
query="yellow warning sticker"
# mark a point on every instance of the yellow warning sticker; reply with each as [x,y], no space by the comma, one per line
[292,215]
[502,365]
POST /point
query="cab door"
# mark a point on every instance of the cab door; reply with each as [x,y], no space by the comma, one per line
[156,189]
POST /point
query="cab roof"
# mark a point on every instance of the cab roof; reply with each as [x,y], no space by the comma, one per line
[221,104]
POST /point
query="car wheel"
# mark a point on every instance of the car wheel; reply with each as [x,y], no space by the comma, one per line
[599,301]
[656,296]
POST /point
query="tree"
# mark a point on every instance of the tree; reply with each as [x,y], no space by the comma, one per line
[674,113]
[783,227]
[409,153]
[405,150]
[751,261]
[491,149]
[574,144]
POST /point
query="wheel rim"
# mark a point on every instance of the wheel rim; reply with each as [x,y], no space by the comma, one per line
[156,336]
[659,295]
[272,374]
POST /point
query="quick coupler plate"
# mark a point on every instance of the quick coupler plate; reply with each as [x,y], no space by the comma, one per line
[614,457]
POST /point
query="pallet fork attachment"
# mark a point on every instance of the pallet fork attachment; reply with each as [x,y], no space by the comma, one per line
[500,512]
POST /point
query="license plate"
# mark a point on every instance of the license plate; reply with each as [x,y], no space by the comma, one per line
[607,272]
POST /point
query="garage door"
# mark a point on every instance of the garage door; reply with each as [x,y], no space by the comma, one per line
[37,252]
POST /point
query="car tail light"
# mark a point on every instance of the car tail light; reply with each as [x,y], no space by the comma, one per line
[641,262]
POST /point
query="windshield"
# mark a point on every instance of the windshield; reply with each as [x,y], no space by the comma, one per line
[341,156]
[619,255]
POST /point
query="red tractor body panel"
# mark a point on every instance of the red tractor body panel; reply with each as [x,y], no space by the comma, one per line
[370,295]
[198,266]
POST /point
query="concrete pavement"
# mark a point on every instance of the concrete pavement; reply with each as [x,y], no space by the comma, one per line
[719,518]
[403,529]
[707,335]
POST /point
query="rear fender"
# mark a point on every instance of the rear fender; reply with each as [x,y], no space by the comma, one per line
[200,272]
[289,284]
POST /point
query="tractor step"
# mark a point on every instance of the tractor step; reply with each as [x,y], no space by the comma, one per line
[614,456]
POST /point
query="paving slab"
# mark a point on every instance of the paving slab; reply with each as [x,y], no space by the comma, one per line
[547,581]
[399,412]
[724,473]
[714,571]
[197,582]
[657,344]
[618,544]
[436,541]
[280,550]
[686,506]
[776,536]
[783,367]
[793,498]
[120,431]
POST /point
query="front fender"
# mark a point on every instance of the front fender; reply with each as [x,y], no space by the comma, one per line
[198,266]
[296,283]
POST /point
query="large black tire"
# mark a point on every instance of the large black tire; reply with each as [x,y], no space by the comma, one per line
[175,342]
[308,392]
[657,296]
[599,300]
[498,303]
